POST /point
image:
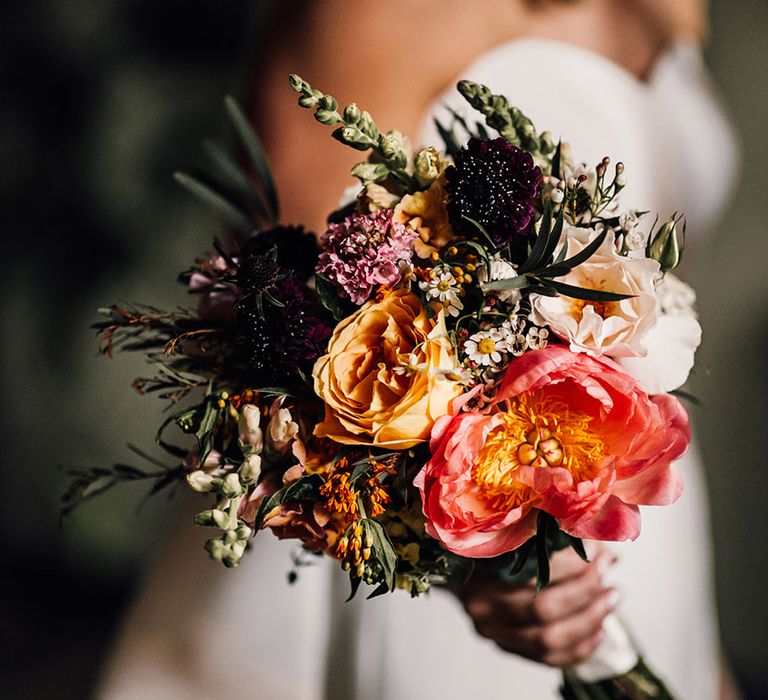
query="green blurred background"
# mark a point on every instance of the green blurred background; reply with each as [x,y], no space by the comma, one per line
[101,101]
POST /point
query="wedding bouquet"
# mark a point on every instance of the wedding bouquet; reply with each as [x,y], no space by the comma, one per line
[467,371]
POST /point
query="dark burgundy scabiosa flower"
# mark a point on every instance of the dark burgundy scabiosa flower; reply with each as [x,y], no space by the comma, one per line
[297,249]
[280,341]
[495,183]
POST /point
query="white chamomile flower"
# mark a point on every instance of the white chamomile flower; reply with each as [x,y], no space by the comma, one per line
[486,347]
[537,338]
[443,287]
[515,324]
[629,219]
[518,344]
[455,374]
[634,240]
[410,366]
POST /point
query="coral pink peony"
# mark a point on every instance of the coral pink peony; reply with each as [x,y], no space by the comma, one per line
[570,435]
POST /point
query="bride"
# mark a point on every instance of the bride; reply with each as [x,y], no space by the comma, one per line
[613,77]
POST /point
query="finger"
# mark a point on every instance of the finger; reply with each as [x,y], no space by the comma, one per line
[567,563]
[540,641]
[566,598]
[568,633]
[576,655]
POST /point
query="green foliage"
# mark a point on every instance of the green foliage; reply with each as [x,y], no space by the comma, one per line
[306,488]
[509,121]
[330,299]
[389,157]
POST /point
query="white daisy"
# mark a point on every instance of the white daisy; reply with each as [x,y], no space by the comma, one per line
[457,374]
[443,287]
[486,347]
[410,366]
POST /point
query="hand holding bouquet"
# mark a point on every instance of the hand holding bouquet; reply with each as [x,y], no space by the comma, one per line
[455,379]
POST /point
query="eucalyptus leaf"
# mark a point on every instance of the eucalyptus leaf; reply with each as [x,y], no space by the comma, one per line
[381,589]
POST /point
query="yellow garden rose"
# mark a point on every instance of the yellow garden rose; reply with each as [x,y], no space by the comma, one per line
[378,379]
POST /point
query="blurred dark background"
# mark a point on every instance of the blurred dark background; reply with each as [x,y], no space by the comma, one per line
[101,102]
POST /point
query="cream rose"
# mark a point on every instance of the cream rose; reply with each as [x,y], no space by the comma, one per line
[614,328]
[371,396]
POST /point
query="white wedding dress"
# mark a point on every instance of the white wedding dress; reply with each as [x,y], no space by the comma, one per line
[199,631]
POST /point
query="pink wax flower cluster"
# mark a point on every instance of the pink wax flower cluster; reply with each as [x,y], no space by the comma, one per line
[363,252]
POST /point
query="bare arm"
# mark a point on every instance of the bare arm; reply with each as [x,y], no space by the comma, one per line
[391,58]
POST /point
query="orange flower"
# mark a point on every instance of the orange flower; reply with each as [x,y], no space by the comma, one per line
[372,395]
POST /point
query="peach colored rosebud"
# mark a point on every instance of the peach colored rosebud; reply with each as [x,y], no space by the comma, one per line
[281,431]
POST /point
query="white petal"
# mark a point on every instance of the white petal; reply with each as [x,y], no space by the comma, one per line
[671,345]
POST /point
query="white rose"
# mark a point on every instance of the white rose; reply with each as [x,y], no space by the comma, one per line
[248,427]
[281,431]
[614,328]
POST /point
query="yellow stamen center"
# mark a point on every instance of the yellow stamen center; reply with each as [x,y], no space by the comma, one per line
[538,431]
[443,285]
[604,309]
[486,346]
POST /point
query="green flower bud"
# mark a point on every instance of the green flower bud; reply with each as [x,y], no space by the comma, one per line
[204,518]
[230,560]
[308,101]
[370,172]
[201,482]
[250,470]
[296,82]
[329,103]
[216,549]
[666,247]
[326,116]
[243,532]
[229,537]
[231,487]
[546,143]
[352,113]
